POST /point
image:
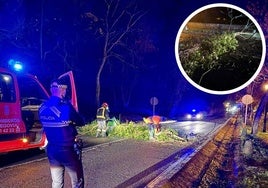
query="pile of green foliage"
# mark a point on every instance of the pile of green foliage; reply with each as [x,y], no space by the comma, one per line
[131,130]
[206,54]
[168,135]
[89,129]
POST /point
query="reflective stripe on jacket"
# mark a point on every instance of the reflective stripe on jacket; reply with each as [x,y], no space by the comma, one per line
[102,113]
[59,119]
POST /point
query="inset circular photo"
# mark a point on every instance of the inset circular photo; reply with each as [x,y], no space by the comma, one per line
[220,48]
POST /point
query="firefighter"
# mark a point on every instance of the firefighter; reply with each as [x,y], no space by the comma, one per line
[59,119]
[102,118]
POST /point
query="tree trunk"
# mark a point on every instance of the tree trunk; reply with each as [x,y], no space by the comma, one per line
[258,114]
[98,85]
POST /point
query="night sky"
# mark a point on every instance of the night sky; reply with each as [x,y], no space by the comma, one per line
[63,31]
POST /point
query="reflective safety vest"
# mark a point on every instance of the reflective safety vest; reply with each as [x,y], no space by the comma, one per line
[101,113]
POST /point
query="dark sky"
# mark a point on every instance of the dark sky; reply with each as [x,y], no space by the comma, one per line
[162,22]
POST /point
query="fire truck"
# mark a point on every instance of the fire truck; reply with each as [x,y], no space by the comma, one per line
[20,98]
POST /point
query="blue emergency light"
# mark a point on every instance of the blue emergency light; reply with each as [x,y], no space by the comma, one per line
[15,65]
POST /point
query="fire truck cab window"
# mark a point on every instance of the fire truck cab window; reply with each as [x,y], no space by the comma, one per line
[31,93]
[7,90]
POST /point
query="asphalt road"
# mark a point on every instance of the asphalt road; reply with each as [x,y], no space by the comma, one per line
[108,163]
[24,156]
[18,157]
[192,129]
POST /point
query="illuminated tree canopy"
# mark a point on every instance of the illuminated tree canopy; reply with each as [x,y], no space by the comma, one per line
[223,58]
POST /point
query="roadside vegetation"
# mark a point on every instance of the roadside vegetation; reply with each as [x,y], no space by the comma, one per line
[131,130]
[253,160]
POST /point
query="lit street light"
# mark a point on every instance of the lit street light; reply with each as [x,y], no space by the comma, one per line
[265,87]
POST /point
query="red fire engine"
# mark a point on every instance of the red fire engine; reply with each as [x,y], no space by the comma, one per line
[20,98]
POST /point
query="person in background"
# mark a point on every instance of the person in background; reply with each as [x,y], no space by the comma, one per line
[59,120]
[153,123]
[148,121]
[102,118]
[156,121]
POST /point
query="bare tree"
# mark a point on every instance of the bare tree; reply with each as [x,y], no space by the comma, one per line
[119,22]
[13,33]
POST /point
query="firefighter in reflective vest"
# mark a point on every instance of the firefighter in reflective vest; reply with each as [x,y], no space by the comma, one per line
[102,117]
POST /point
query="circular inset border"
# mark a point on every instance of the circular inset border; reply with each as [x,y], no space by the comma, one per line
[177,48]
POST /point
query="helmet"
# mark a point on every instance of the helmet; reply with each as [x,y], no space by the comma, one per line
[105,105]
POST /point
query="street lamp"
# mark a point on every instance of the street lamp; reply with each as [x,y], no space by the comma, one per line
[227,106]
[265,87]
